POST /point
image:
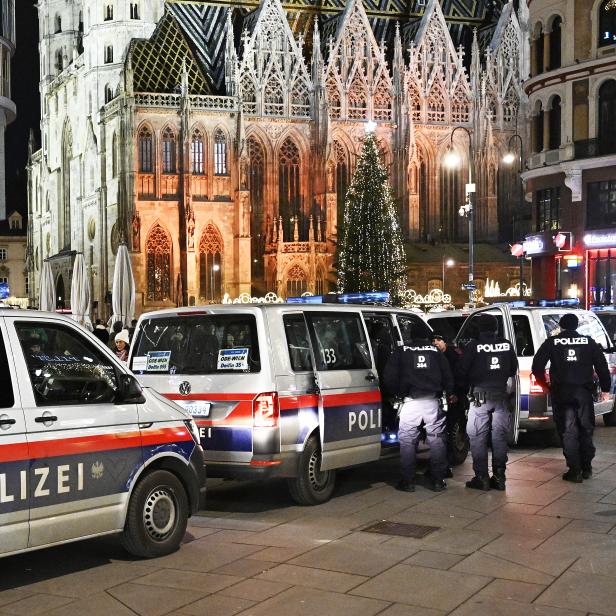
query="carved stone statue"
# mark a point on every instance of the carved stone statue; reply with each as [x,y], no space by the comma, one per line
[136,229]
[244,166]
[190,231]
[331,179]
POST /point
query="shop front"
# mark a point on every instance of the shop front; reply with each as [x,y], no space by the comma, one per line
[600,257]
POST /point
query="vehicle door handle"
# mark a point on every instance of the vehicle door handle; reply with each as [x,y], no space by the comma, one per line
[45,419]
[7,422]
[371,377]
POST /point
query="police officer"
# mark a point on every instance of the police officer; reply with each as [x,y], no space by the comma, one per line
[573,357]
[485,367]
[420,373]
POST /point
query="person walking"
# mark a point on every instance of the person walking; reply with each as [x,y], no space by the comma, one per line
[485,368]
[420,373]
[574,359]
[100,331]
[121,342]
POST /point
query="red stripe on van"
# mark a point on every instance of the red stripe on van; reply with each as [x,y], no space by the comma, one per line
[13,452]
[289,403]
[362,397]
[211,396]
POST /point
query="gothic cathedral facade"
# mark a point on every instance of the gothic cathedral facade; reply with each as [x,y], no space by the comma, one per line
[226,172]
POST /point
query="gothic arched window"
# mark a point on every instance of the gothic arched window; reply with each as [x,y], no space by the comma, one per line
[65,213]
[297,281]
[197,152]
[607,117]
[607,23]
[59,61]
[537,128]
[357,100]
[109,54]
[169,151]
[57,24]
[342,180]
[145,150]
[256,180]
[108,12]
[220,152]
[210,264]
[555,43]
[248,94]
[273,98]
[134,10]
[300,101]
[108,93]
[158,257]
[333,98]
[382,101]
[451,198]
[114,155]
[538,44]
[555,119]
[289,184]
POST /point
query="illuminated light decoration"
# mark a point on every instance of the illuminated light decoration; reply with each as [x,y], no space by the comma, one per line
[598,238]
[370,297]
[573,261]
[246,298]
[517,250]
[534,244]
[563,240]
[509,158]
[492,290]
[370,127]
[434,298]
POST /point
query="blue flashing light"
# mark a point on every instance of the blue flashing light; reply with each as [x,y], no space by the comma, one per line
[4,290]
[309,299]
[370,297]
[573,302]
[521,303]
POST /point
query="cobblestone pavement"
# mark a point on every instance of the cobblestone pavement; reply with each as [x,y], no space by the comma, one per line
[545,547]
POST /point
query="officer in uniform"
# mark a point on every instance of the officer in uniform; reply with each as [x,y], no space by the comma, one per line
[573,357]
[420,373]
[485,367]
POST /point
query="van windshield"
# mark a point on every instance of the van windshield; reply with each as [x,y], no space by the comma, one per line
[589,326]
[200,344]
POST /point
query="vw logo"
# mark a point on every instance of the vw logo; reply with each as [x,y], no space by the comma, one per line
[184,388]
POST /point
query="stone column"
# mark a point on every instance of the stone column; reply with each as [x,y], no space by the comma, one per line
[546,51]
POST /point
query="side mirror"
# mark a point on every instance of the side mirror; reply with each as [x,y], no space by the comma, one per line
[129,391]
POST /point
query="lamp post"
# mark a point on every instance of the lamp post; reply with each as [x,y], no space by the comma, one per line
[448,263]
[466,210]
[509,158]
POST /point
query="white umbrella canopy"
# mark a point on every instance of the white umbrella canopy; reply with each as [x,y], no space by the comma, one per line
[80,293]
[47,291]
[123,292]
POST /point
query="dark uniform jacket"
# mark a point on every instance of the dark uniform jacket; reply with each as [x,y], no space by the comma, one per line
[487,364]
[419,371]
[573,360]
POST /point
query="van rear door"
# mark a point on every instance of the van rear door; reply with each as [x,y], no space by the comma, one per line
[469,331]
[350,414]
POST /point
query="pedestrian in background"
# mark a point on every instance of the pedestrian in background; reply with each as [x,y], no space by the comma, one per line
[100,331]
[131,329]
[121,343]
[420,373]
[116,328]
[574,359]
[485,368]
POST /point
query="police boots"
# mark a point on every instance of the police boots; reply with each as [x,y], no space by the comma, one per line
[497,481]
[479,483]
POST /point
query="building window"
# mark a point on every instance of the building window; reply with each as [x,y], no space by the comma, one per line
[537,126]
[59,61]
[539,44]
[297,281]
[210,264]
[548,206]
[134,10]
[555,121]
[169,151]
[342,180]
[607,23]
[15,224]
[4,280]
[57,24]
[607,117]
[108,93]
[555,43]
[109,12]
[158,251]
[601,205]
[3,254]
[145,151]
[27,284]
[109,54]
[220,152]
[197,153]
[114,156]
[289,185]
[256,181]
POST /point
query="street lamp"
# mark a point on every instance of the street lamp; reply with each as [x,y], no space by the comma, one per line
[215,268]
[452,160]
[509,158]
[448,263]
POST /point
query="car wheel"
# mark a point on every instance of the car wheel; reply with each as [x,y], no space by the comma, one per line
[459,444]
[157,516]
[312,486]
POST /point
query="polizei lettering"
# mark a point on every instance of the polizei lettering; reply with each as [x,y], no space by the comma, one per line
[570,341]
[493,348]
[45,481]
[420,348]
[365,420]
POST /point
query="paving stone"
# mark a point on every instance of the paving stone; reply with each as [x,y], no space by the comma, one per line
[245,567]
[510,589]
[434,560]
[255,590]
[216,605]
[480,563]
[581,510]
[360,559]
[100,604]
[229,523]
[519,523]
[493,606]
[153,601]
[188,580]
[457,541]
[591,526]
[422,587]
[314,578]
[277,554]
[521,508]
[300,601]
[443,520]
[35,604]
[13,594]
[399,609]
[582,591]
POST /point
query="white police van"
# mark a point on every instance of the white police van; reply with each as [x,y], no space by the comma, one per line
[84,450]
[288,390]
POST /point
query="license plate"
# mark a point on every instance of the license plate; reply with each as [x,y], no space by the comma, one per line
[196,408]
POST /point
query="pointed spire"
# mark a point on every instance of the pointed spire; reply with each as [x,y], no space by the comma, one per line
[475,62]
[184,87]
[398,54]
[295,229]
[230,57]
[311,229]
[317,57]
[31,144]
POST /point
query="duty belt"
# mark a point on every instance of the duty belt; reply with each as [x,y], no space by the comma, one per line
[481,396]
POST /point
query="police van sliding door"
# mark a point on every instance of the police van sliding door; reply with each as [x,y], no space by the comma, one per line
[84,449]
[469,330]
[350,415]
[14,462]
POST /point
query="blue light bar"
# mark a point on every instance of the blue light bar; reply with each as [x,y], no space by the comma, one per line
[309,299]
[369,297]
[559,303]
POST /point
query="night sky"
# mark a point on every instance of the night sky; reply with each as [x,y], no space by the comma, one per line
[24,88]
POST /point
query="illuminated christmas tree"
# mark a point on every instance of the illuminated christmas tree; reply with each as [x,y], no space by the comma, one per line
[371,255]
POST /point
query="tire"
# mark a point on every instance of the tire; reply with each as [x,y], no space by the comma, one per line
[157,516]
[458,445]
[312,486]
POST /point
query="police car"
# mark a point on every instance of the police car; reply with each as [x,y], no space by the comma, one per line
[531,326]
[288,390]
[84,449]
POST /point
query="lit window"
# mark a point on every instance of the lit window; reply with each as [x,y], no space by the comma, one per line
[220,153]
[169,151]
[134,10]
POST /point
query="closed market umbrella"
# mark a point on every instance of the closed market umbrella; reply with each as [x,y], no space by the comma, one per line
[47,291]
[80,293]
[123,293]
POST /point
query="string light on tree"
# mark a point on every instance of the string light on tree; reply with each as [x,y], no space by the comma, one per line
[371,255]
